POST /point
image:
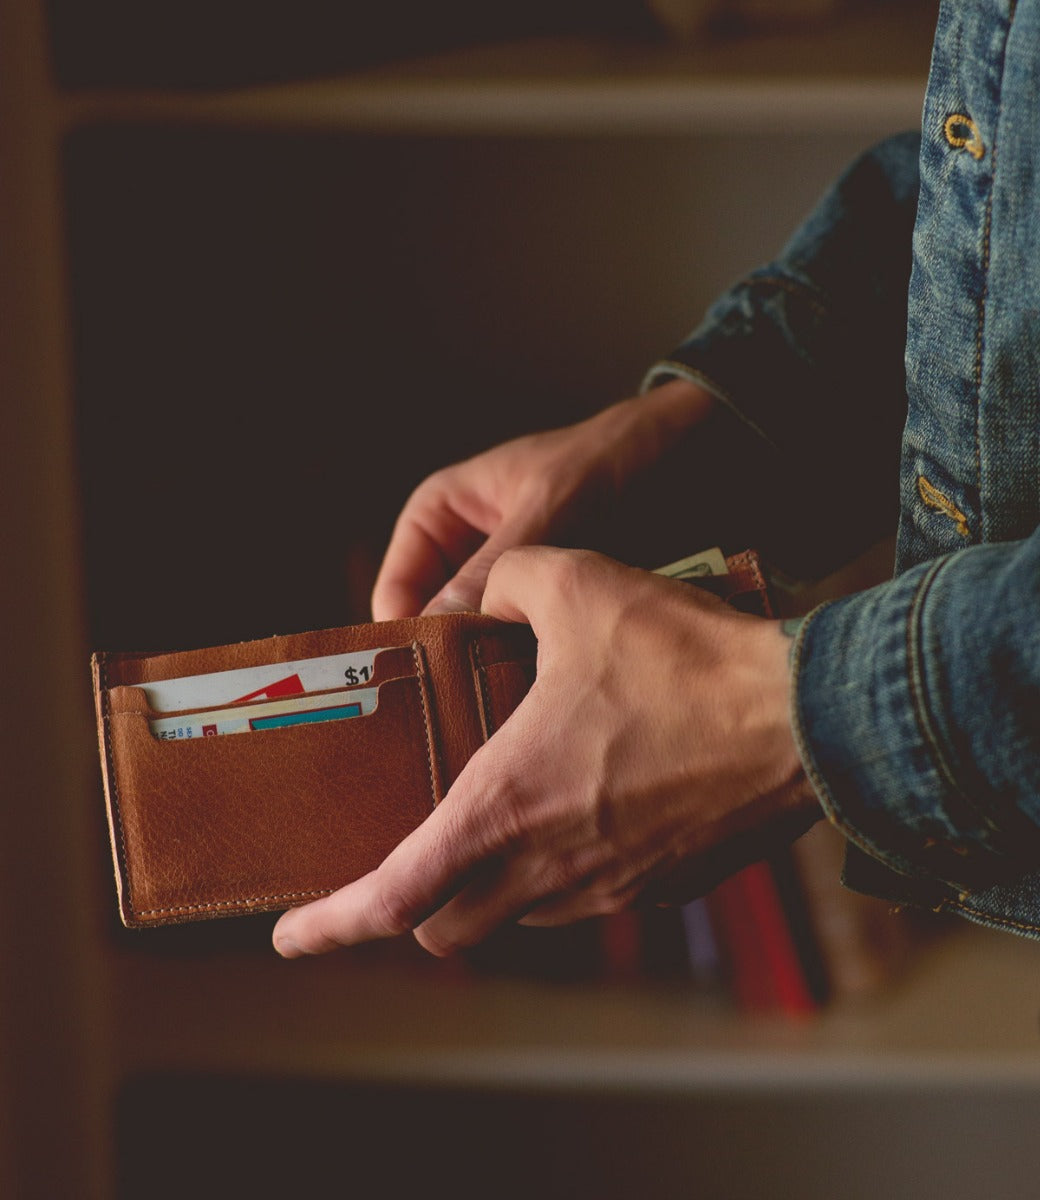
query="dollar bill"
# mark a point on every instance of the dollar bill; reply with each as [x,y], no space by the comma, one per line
[696,566]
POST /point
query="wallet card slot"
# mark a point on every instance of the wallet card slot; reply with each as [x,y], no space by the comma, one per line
[234,824]
[224,823]
[500,688]
[249,666]
[396,663]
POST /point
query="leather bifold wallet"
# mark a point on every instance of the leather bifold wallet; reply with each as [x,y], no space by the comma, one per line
[340,742]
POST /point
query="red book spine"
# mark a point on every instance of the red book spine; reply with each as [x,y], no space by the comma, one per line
[755,938]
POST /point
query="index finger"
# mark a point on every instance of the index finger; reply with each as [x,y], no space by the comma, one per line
[418,562]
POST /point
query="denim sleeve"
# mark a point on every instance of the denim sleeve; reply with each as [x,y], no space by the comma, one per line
[808,351]
[917,710]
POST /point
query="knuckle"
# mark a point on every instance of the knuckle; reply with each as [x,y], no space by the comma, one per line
[540,493]
[507,818]
[495,815]
[607,903]
[436,480]
[568,574]
[512,558]
[563,574]
[567,871]
[424,492]
[392,913]
[431,491]
[476,571]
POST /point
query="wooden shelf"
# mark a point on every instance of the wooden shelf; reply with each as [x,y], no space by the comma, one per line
[964,1016]
[85,1018]
[864,72]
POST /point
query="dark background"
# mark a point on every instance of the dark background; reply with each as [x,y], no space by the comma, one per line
[228,357]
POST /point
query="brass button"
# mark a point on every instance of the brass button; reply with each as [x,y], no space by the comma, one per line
[963,134]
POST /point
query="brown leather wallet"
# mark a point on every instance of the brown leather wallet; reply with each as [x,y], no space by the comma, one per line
[216,826]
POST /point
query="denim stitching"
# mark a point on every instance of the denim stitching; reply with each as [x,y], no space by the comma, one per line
[894,862]
[986,232]
[980,325]
[691,374]
[818,307]
[991,918]
[933,498]
[916,680]
[915,675]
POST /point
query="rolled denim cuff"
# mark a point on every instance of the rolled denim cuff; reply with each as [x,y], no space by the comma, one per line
[669,369]
[750,353]
[872,716]
[776,347]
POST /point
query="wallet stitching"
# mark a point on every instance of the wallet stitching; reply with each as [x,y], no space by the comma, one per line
[209,905]
[480,678]
[429,728]
[113,781]
[206,905]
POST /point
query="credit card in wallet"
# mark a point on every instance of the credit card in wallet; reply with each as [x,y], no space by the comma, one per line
[275,714]
[267,682]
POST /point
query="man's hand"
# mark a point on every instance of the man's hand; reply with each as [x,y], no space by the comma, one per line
[652,756]
[534,489]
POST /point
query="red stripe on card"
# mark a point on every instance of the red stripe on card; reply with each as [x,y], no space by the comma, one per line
[292,685]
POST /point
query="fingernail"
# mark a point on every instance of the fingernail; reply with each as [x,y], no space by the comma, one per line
[447,604]
[287,949]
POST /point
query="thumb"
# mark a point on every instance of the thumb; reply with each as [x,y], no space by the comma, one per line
[464,591]
[527,583]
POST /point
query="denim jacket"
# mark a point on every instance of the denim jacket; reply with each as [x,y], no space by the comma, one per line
[911,297]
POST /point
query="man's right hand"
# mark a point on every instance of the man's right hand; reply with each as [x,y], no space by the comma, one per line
[532,490]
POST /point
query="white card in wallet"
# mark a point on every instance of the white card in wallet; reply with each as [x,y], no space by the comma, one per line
[268,682]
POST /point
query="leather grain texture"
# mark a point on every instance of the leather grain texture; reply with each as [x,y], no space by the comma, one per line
[745,586]
[251,822]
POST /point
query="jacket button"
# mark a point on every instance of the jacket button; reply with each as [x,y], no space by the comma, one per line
[963,134]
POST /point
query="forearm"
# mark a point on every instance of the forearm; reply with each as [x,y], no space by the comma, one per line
[644,428]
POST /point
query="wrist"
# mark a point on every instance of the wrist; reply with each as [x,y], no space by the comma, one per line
[776,687]
[677,406]
[648,425]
